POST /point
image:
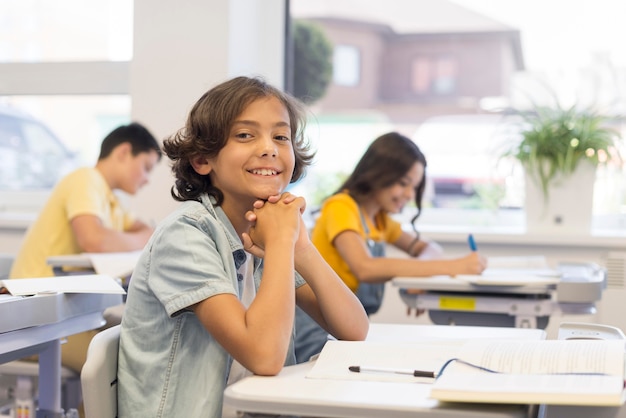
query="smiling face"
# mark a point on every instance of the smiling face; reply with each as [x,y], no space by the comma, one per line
[392,199]
[258,158]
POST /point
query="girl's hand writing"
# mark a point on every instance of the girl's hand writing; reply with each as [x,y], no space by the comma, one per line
[472,263]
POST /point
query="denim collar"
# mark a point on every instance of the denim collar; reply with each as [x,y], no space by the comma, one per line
[234,241]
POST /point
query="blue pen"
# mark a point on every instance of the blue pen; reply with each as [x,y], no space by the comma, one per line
[471,242]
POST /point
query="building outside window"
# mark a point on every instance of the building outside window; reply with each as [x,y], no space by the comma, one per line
[446,73]
[434,75]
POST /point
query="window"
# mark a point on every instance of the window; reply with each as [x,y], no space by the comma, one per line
[434,76]
[49,129]
[65,31]
[421,75]
[450,70]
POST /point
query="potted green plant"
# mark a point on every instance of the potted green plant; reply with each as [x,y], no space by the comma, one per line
[559,150]
[555,140]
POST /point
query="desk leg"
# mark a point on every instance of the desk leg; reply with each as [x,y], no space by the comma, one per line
[50,382]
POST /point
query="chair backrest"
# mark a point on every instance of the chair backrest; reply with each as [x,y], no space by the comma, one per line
[99,375]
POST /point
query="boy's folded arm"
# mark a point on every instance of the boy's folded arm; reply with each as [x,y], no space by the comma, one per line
[328,300]
[257,337]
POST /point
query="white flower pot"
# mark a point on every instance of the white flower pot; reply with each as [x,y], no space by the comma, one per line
[568,208]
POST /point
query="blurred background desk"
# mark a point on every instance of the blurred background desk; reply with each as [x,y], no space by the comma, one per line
[119,265]
[518,302]
[114,264]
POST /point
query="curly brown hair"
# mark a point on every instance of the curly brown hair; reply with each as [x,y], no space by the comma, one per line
[208,125]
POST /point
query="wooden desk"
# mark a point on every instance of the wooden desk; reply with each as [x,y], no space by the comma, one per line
[44,337]
[290,392]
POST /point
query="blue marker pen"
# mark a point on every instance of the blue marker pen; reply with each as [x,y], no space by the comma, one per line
[471,242]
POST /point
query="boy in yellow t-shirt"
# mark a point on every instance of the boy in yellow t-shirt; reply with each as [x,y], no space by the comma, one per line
[83,214]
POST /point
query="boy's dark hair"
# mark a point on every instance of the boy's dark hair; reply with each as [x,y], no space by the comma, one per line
[386,161]
[140,139]
[208,126]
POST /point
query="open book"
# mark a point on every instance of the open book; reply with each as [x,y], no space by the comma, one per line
[558,372]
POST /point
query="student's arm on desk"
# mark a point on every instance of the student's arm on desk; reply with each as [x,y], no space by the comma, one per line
[93,237]
[366,268]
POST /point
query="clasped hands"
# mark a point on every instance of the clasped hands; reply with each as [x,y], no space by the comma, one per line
[277,218]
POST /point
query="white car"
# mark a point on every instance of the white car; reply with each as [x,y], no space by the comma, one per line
[32,157]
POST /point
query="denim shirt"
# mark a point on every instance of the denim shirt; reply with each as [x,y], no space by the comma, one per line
[169,365]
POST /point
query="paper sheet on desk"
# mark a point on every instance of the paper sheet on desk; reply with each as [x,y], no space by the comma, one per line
[514,271]
[92,283]
[507,279]
[518,262]
[531,265]
[120,264]
[337,356]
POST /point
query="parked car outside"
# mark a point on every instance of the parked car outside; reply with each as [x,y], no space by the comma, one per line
[32,157]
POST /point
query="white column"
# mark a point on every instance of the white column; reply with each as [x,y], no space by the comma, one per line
[183,48]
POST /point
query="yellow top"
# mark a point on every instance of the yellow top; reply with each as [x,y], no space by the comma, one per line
[82,192]
[340,213]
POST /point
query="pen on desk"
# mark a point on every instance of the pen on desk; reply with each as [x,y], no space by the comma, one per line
[471,242]
[416,373]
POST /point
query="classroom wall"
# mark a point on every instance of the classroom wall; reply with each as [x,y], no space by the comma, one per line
[182,49]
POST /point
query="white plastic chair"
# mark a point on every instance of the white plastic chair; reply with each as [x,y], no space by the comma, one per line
[99,375]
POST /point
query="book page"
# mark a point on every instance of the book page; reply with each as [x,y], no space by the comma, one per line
[551,356]
[562,372]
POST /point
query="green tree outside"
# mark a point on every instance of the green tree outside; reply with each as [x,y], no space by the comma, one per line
[312,61]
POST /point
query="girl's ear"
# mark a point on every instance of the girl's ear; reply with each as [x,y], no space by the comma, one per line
[201,164]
